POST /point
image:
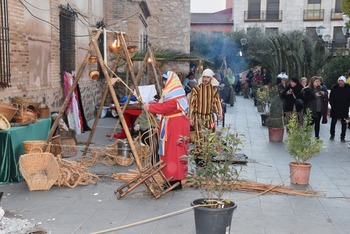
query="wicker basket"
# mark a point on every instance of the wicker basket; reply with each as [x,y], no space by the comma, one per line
[8,110]
[4,123]
[40,170]
[68,147]
[55,148]
[34,146]
[122,161]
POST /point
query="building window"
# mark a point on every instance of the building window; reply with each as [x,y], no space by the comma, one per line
[311,33]
[338,37]
[338,6]
[272,10]
[254,8]
[336,13]
[314,9]
[67,41]
[5,79]
[271,31]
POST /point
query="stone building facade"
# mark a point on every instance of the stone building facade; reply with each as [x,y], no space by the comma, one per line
[35,48]
[283,15]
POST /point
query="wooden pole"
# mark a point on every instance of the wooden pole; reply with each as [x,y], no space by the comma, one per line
[138,78]
[97,117]
[116,102]
[156,75]
[69,94]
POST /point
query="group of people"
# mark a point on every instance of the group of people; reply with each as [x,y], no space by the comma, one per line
[194,104]
[300,95]
[179,113]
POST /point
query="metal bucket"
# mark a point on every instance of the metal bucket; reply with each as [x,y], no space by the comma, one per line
[124,149]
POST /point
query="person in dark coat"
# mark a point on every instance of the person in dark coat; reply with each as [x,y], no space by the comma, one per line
[291,94]
[266,77]
[339,100]
[314,98]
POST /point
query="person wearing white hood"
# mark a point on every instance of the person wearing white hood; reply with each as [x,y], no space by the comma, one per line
[339,99]
[204,102]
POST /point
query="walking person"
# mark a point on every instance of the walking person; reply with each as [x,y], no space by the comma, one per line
[204,102]
[314,98]
[174,127]
[230,81]
[339,99]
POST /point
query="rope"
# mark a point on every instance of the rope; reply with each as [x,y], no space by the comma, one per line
[148,220]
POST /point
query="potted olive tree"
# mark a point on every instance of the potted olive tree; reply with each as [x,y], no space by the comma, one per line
[213,213]
[263,99]
[302,146]
[274,121]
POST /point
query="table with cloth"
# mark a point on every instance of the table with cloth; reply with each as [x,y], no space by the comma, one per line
[11,147]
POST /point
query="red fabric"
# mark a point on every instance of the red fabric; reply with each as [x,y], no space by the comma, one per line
[177,127]
[130,116]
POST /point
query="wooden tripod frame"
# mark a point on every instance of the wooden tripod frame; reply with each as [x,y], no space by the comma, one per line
[147,175]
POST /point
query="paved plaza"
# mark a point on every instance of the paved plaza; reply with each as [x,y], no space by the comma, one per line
[95,208]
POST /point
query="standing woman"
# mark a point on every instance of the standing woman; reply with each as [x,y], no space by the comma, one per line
[174,127]
[291,94]
[314,100]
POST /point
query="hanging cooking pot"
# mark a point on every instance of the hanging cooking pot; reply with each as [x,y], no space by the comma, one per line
[124,149]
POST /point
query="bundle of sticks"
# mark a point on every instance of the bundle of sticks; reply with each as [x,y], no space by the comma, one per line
[250,186]
[73,174]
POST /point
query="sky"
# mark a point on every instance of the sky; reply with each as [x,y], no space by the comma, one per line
[207,6]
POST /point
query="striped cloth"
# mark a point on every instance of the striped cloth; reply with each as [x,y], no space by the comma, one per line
[204,101]
[174,90]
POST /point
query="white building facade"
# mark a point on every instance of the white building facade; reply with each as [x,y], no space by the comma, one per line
[284,15]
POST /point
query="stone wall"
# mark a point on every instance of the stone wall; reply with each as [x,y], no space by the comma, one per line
[35,44]
[35,54]
[169,24]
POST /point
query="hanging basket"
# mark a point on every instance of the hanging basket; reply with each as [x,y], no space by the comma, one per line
[40,170]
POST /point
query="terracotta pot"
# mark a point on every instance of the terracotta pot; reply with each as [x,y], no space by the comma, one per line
[93,59]
[276,134]
[94,75]
[299,173]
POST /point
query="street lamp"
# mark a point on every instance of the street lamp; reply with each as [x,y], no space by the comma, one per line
[325,37]
[243,43]
[320,30]
[345,28]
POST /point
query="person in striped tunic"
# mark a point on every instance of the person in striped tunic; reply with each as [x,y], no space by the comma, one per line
[204,102]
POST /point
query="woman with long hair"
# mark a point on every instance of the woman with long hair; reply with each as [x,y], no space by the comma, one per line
[314,100]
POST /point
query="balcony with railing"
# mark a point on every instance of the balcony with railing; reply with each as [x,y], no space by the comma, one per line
[336,14]
[313,15]
[267,16]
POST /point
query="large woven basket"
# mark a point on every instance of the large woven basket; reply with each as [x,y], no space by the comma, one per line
[68,147]
[40,170]
[8,110]
[4,123]
[34,146]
